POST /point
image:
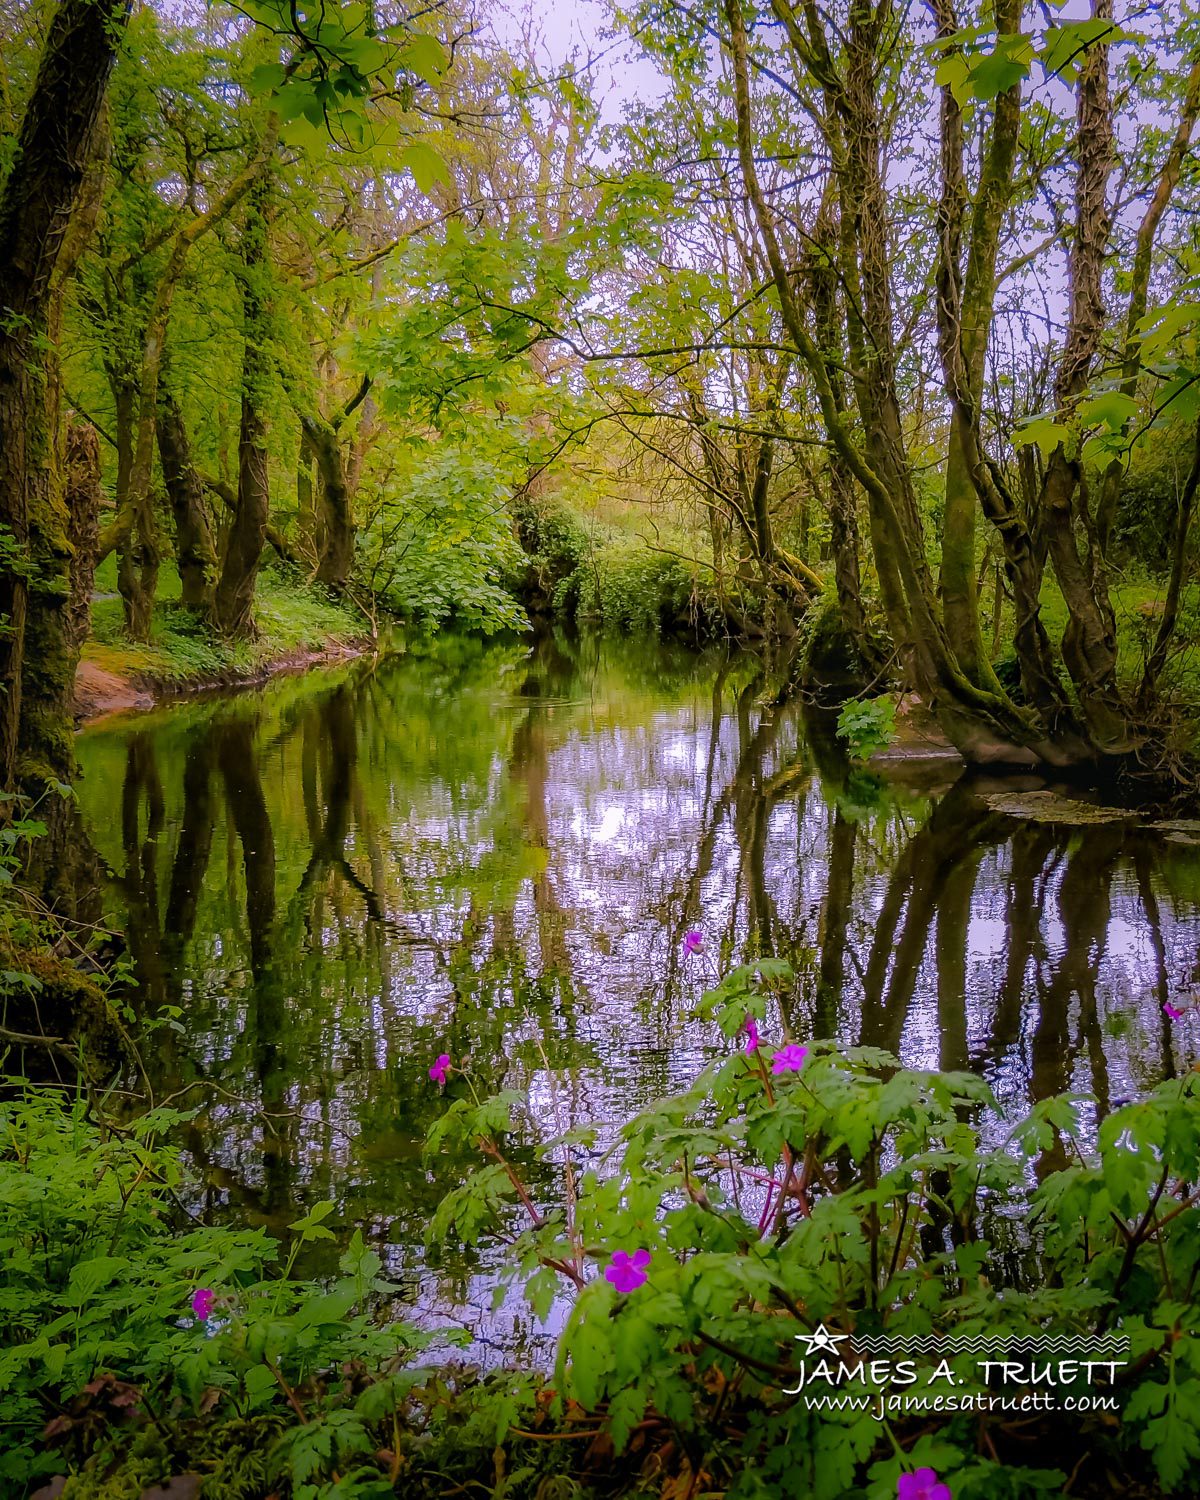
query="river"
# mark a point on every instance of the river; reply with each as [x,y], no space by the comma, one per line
[495,851]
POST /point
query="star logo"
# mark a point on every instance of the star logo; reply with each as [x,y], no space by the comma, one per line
[821,1340]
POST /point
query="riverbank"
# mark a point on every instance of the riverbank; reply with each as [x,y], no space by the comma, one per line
[298,627]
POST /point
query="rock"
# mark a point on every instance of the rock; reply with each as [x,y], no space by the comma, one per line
[1051,807]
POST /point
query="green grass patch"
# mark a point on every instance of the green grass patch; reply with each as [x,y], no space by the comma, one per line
[1137,606]
[290,617]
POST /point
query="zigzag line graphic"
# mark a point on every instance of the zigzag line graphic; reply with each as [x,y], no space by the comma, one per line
[1080,1344]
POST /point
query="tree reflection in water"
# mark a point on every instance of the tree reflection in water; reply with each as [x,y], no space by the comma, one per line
[495,851]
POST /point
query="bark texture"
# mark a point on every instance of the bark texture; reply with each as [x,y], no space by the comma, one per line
[233,599]
[54,147]
[60,613]
[195,551]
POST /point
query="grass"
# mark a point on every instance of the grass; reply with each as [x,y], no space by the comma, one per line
[291,619]
[1137,606]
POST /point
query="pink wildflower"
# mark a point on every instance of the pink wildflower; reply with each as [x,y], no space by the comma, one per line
[750,1027]
[1172,1011]
[628,1272]
[202,1302]
[692,943]
[923,1485]
[789,1059]
[440,1069]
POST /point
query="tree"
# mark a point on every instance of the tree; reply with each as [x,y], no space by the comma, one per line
[53,151]
[844,75]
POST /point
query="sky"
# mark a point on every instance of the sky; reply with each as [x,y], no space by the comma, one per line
[618,69]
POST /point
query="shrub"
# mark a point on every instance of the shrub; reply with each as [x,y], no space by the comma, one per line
[793,1187]
[441,545]
[100,1322]
[867,725]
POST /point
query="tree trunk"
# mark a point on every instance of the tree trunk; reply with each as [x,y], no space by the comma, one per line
[60,612]
[965,307]
[137,573]
[1139,290]
[233,600]
[1089,644]
[1170,615]
[53,148]
[195,552]
[843,517]
[336,554]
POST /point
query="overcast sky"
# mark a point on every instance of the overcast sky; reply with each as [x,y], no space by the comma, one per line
[616,66]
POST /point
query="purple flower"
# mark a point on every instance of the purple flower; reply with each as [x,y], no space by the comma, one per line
[789,1059]
[1172,1011]
[923,1485]
[692,942]
[628,1272]
[202,1302]
[440,1069]
[750,1027]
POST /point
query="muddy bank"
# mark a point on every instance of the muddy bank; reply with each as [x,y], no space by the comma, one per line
[103,689]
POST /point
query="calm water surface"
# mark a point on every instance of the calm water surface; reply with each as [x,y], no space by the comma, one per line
[495,851]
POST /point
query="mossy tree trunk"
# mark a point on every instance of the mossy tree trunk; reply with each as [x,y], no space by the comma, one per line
[1139,289]
[1089,644]
[821,276]
[53,149]
[195,550]
[332,519]
[335,552]
[60,613]
[233,598]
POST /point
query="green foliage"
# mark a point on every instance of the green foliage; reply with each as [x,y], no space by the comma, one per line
[1149,497]
[601,573]
[826,650]
[442,543]
[96,1322]
[867,725]
[978,65]
[630,586]
[341,59]
[556,545]
[862,1195]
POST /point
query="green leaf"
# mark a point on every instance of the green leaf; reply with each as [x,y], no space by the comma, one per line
[426,165]
[1043,432]
[266,78]
[425,56]
[1065,47]
[1112,408]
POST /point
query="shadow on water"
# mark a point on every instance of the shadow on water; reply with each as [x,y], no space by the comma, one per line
[495,850]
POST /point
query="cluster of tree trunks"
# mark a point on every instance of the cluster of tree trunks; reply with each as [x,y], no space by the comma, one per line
[844,320]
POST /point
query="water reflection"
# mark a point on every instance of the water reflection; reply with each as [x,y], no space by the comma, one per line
[495,851]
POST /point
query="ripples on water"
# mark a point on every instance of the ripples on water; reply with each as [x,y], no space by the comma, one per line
[495,851]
